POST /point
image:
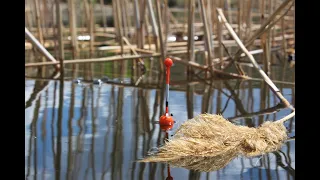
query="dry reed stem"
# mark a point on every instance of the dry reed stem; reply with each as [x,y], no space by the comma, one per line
[207,34]
[253,61]
[160,30]
[40,47]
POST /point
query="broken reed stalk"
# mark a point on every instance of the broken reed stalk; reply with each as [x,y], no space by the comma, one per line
[141,62]
[40,47]
[251,58]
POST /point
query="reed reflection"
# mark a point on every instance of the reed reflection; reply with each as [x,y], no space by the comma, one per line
[86,130]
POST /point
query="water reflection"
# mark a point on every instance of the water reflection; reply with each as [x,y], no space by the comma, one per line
[99,132]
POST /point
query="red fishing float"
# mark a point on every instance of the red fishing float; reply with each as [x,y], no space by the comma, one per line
[166,121]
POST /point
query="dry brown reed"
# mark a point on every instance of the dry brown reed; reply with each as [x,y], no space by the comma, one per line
[211,137]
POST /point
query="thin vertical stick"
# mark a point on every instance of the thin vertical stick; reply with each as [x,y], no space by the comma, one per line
[60,37]
[186,16]
[239,18]
[191,30]
[27,16]
[147,24]
[253,61]
[230,14]
[284,45]
[166,20]
[207,6]
[40,34]
[153,19]
[220,39]
[91,23]
[160,28]
[268,42]
[120,33]
[119,22]
[104,17]
[73,28]
[263,38]
[206,97]
[38,22]
[189,94]
[115,18]
[155,29]
[137,20]
[128,18]
[141,31]
[249,19]
[213,16]
[207,33]
[123,15]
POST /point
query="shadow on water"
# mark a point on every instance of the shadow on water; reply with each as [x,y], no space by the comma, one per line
[99,132]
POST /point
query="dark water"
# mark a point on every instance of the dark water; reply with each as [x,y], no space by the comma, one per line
[98,132]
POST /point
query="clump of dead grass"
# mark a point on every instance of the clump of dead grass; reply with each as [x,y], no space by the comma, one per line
[211,138]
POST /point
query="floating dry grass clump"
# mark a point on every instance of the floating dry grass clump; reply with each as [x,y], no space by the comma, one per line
[215,139]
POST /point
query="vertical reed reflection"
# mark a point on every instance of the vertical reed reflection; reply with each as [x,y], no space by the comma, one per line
[153,166]
[135,127]
[32,136]
[93,118]
[79,144]
[146,127]
[59,130]
[52,122]
[268,166]
[44,134]
[70,130]
[107,134]
[263,95]
[118,139]
[189,97]
[242,168]
[35,149]
[206,97]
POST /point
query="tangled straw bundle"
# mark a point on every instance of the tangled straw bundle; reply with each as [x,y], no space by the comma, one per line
[212,138]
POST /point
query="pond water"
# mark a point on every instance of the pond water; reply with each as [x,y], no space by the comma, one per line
[99,132]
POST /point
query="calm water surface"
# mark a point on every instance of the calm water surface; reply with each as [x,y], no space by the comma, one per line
[99,132]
